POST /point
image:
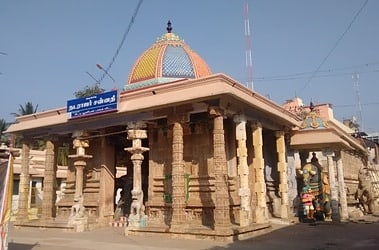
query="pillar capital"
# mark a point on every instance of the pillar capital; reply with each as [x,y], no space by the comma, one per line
[80,146]
[52,138]
[256,125]
[240,118]
[79,133]
[328,152]
[136,125]
[279,133]
[337,155]
[215,111]
[136,134]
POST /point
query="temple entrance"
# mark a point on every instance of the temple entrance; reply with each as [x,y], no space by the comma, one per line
[123,181]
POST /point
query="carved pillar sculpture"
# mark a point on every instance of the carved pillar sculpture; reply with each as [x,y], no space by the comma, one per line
[341,187]
[261,211]
[137,216]
[24,188]
[333,188]
[49,181]
[283,178]
[80,162]
[178,182]
[243,171]
[222,205]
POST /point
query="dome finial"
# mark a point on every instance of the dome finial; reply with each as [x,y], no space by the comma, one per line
[169,28]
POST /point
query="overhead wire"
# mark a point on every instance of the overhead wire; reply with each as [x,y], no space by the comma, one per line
[334,46]
[302,75]
[106,70]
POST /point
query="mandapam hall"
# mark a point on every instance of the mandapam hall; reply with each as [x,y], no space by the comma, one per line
[201,153]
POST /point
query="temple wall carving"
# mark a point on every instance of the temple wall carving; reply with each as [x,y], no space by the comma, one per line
[352,163]
[98,179]
[199,174]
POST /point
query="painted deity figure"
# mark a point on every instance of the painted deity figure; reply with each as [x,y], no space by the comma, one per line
[307,200]
[316,185]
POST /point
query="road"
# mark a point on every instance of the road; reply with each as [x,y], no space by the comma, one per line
[358,234]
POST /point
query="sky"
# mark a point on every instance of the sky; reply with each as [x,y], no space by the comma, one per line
[323,51]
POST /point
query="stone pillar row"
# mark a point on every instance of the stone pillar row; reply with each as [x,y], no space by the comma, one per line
[243,171]
[341,187]
[261,211]
[49,181]
[23,200]
[283,178]
[332,182]
[137,217]
[222,209]
[178,182]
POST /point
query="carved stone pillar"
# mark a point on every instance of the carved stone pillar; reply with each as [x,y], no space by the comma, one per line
[261,211]
[283,178]
[333,188]
[178,182]
[243,171]
[137,217]
[222,204]
[78,217]
[341,187]
[24,187]
[49,181]
[80,162]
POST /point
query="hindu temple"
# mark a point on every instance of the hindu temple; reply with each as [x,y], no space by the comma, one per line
[195,154]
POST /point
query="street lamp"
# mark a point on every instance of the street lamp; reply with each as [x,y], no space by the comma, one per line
[106,72]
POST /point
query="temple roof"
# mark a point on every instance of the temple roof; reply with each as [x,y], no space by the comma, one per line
[168,59]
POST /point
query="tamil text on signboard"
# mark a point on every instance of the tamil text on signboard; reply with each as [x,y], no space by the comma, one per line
[92,105]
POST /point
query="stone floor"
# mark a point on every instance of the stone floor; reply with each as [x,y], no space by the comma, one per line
[361,233]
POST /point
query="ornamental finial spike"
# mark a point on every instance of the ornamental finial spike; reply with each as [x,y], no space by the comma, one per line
[311,106]
[169,28]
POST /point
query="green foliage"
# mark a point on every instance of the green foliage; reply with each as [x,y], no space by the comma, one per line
[3,126]
[89,91]
[27,109]
[62,158]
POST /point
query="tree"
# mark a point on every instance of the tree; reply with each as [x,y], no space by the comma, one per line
[89,91]
[26,110]
[3,126]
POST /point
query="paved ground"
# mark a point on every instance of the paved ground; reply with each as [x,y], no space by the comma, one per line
[360,234]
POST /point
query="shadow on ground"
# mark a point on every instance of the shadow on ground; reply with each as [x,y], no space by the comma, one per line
[17,246]
[361,234]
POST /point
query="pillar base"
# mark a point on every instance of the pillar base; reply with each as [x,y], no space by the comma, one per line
[80,224]
[137,222]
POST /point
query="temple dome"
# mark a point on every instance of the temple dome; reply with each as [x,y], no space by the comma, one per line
[168,59]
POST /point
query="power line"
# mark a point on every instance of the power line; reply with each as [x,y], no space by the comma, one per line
[335,45]
[355,67]
[354,105]
[304,75]
[122,41]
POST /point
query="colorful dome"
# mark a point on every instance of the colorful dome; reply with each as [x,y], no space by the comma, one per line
[168,59]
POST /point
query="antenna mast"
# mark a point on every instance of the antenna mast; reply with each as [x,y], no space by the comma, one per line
[357,93]
[248,57]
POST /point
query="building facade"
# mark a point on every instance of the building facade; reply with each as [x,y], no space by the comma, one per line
[202,154]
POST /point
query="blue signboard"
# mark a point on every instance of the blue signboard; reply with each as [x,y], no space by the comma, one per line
[92,105]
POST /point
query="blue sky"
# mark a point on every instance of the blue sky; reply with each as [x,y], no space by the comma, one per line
[304,48]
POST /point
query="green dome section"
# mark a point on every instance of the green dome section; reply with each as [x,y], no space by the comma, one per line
[168,59]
